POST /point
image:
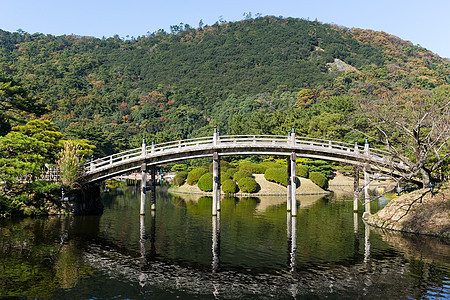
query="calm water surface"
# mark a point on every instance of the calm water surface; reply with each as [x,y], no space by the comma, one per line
[252,250]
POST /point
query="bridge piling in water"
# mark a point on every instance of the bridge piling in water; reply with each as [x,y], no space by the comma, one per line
[355,188]
[216,184]
[292,166]
[288,187]
[366,181]
[143,187]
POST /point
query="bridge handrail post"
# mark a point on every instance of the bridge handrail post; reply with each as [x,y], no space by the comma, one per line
[293,136]
[144,148]
[356,148]
[153,147]
[215,136]
[366,148]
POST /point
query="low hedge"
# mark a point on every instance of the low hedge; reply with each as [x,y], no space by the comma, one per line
[302,171]
[241,174]
[205,183]
[180,178]
[248,185]
[195,175]
[319,179]
[229,187]
[277,175]
[253,168]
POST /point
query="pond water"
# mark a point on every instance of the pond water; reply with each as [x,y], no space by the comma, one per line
[252,250]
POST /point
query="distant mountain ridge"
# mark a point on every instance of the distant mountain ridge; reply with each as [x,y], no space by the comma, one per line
[177,85]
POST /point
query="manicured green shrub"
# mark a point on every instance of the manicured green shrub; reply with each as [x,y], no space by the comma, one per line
[230,172]
[205,183]
[271,164]
[319,179]
[180,178]
[302,171]
[241,174]
[229,186]
[195,175]
[277,175]
[248,185]
[253,168]
[225,176]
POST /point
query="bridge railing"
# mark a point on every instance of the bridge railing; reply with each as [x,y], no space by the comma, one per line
[205,142]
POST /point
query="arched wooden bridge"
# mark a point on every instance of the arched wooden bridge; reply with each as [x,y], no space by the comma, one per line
[216,146]
[131,160]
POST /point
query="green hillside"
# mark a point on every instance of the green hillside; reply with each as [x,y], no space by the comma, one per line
[258,76]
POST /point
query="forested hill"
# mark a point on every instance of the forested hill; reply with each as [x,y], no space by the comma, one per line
[258,76]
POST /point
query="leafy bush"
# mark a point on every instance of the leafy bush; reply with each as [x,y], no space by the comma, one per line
[179,167]
[225,176]
[205,183]
[241,174]
[229,186]
[271,164]
[195,175]
[319,179]
[230,172]
[278,175]
[253,168]
[180,178]
[248,185]
[302,171]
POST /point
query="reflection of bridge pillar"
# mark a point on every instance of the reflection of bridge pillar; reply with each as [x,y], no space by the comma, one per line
[293,184]
[153,199]
[216,184]
[142,240]
[143,186]
[215,242]
[366,242]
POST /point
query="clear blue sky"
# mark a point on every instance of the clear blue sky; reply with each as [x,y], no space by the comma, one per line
[426,23]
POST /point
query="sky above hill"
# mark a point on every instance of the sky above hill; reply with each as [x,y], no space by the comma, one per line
[422,22]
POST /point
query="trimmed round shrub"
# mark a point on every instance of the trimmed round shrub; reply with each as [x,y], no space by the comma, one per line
[277,175]
[248,185]
[225,176]
[241,174]
[302,171]
[180,178]
[230,172]
[229,186]
[205,183]
[195,175]
[319,179]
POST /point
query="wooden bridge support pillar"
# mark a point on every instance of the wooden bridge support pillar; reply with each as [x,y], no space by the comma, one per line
[143,186]
[293,185]
[153,199]
[216,184]
[366,191]
[288,188]
[355,188]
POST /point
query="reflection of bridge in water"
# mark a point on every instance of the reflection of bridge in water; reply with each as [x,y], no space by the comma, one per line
[148,270]
[218,146]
